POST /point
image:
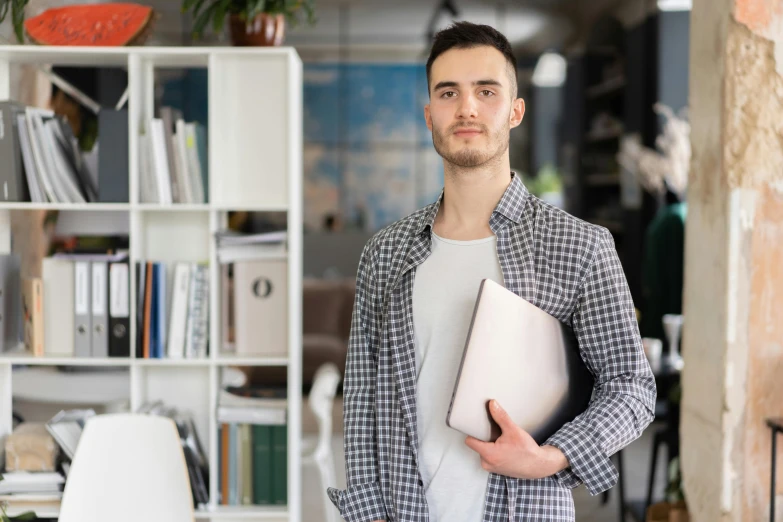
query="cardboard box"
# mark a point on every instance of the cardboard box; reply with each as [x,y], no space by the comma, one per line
[668,512]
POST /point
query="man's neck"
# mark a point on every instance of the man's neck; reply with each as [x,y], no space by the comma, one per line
[469,198]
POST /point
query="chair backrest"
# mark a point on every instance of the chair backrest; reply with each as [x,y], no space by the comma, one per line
[321,399]
[128,467]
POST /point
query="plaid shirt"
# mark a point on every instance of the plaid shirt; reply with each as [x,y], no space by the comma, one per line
[564,266]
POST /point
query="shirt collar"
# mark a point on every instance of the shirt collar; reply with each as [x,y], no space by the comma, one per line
[511,205]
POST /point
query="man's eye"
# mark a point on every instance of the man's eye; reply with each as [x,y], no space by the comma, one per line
[448,94]
[487,92]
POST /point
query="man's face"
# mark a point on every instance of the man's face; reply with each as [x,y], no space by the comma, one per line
[471,110]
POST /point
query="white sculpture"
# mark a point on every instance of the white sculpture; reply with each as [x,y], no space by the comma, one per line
[668,166]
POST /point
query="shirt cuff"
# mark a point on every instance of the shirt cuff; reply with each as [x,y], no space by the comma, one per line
[588,464]
[362,503]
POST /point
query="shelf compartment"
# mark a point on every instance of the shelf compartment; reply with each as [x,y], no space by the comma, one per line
[227,359]
[250,101]
[183,387]
[226,513]
[98,388]
[174,236]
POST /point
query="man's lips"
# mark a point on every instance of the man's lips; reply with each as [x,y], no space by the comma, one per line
[467,131]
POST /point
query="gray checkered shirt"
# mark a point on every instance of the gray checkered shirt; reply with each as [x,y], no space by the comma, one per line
[564,266]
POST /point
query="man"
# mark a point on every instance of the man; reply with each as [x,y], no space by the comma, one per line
[415,290]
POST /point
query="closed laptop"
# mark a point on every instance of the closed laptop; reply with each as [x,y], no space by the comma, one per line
[524,358]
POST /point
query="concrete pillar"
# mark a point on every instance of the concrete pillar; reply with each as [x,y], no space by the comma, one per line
[733,300]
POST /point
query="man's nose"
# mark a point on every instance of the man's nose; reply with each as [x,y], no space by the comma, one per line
[467,107]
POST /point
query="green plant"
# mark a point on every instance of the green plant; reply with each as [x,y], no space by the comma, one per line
[547,180]
[216,11]
[17,15]
[674,492]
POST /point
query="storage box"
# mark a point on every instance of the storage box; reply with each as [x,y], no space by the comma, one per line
[30,448]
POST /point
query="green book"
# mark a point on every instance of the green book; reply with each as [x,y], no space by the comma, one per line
[246,464]
[262,464]
[280,464]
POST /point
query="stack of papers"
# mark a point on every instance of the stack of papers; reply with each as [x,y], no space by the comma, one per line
[18,485]
[267,410]
[233,246]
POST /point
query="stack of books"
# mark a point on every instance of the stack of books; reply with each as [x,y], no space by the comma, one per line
[253,447]
[173,160]
[180,330]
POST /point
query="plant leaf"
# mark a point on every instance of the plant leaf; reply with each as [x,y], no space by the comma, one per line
[4,9]
[203,19]
[220,15]
[27,515]
[258,7]
[17,15]
[197,6]
[187,5]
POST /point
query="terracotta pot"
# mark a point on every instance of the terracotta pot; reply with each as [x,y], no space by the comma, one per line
[667,512]
[264,30]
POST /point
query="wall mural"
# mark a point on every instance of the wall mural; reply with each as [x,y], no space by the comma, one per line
[368,155]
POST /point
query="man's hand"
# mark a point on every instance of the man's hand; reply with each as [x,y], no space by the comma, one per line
[515,453]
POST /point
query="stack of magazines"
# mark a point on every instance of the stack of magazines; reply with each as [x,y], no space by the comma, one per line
[195,458]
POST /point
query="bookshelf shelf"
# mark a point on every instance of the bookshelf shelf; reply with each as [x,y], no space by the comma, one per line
[254,154]
[175,207]
[95,207]
[227,360]
[246,512]
[171,362]
[30,360]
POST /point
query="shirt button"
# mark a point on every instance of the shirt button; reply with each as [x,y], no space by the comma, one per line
[421,483]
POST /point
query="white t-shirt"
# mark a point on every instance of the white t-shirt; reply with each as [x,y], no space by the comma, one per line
[444,294]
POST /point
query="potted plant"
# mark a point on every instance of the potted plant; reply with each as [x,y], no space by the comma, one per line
[251,22]
[28,515]
[17,16]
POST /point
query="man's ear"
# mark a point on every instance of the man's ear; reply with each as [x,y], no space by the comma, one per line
[517,112]
[428,116]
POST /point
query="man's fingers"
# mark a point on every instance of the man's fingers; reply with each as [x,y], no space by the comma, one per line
[500,415]
[479,446]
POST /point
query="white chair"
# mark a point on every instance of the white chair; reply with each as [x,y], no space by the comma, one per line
[321,399]
[128,467]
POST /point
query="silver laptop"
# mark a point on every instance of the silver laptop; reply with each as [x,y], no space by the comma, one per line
[523,357]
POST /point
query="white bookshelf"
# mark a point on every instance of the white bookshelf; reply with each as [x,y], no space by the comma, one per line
[255,164]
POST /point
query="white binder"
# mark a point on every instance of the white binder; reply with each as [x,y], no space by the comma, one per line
[100,309]
[82,313]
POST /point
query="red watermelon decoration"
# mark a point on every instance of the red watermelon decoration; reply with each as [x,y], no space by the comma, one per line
[112,24]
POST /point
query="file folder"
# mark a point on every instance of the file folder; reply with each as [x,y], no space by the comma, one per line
[119,309]
[100,309]
[82,313]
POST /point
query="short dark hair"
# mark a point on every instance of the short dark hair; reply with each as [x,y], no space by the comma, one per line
[466,35]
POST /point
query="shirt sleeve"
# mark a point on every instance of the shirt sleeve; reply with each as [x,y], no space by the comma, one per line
[362,500]
[624,396]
